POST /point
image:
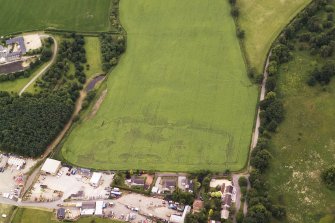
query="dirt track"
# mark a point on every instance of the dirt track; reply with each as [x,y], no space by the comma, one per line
[46,67]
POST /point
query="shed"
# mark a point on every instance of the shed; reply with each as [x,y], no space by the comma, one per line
[95,179]
[51,166]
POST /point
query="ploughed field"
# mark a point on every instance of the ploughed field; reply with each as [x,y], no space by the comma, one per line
[75,15]
[180,98]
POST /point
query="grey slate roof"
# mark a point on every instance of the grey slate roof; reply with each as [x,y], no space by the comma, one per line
[19,40]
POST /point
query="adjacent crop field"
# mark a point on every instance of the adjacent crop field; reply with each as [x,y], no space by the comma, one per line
[304,144]
[78,15]
[262,21]
[179,100]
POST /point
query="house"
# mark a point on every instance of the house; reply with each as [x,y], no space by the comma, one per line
[61,213]
[19,41]
[98,208]
[17,162]
[95,179]
[13,56]
[227,200]
[137,181]
[169,184]
[51,166]
[229,189]
[197,206]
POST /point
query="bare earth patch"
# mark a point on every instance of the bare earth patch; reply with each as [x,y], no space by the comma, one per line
[98,103]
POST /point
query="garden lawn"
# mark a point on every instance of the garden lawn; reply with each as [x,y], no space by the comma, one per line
[76,15]
[304,144]
[262,21]
[93,54]
[180,98]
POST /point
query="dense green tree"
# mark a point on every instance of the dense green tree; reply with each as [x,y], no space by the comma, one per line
[328,177]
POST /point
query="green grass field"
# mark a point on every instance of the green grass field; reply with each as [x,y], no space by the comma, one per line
[25,215]
[179,100]
[262,21]
[5,209]
[304,145]
[77,15]
[93,54]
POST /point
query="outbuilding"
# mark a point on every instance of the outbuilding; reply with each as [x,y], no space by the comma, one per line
[95,179]
[51,166]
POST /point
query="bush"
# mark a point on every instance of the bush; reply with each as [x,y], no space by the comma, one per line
[240,33]
[243,181]
[235,12]
[328,177]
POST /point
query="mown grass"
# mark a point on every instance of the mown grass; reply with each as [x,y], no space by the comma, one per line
[93,54]
[304,144]
[25,215]
[76,15]
[262,21]
[180,98]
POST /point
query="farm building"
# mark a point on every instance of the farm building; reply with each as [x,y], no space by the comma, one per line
[98,208]
[51,166]
[95,179]
[87,208]
[17,162]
